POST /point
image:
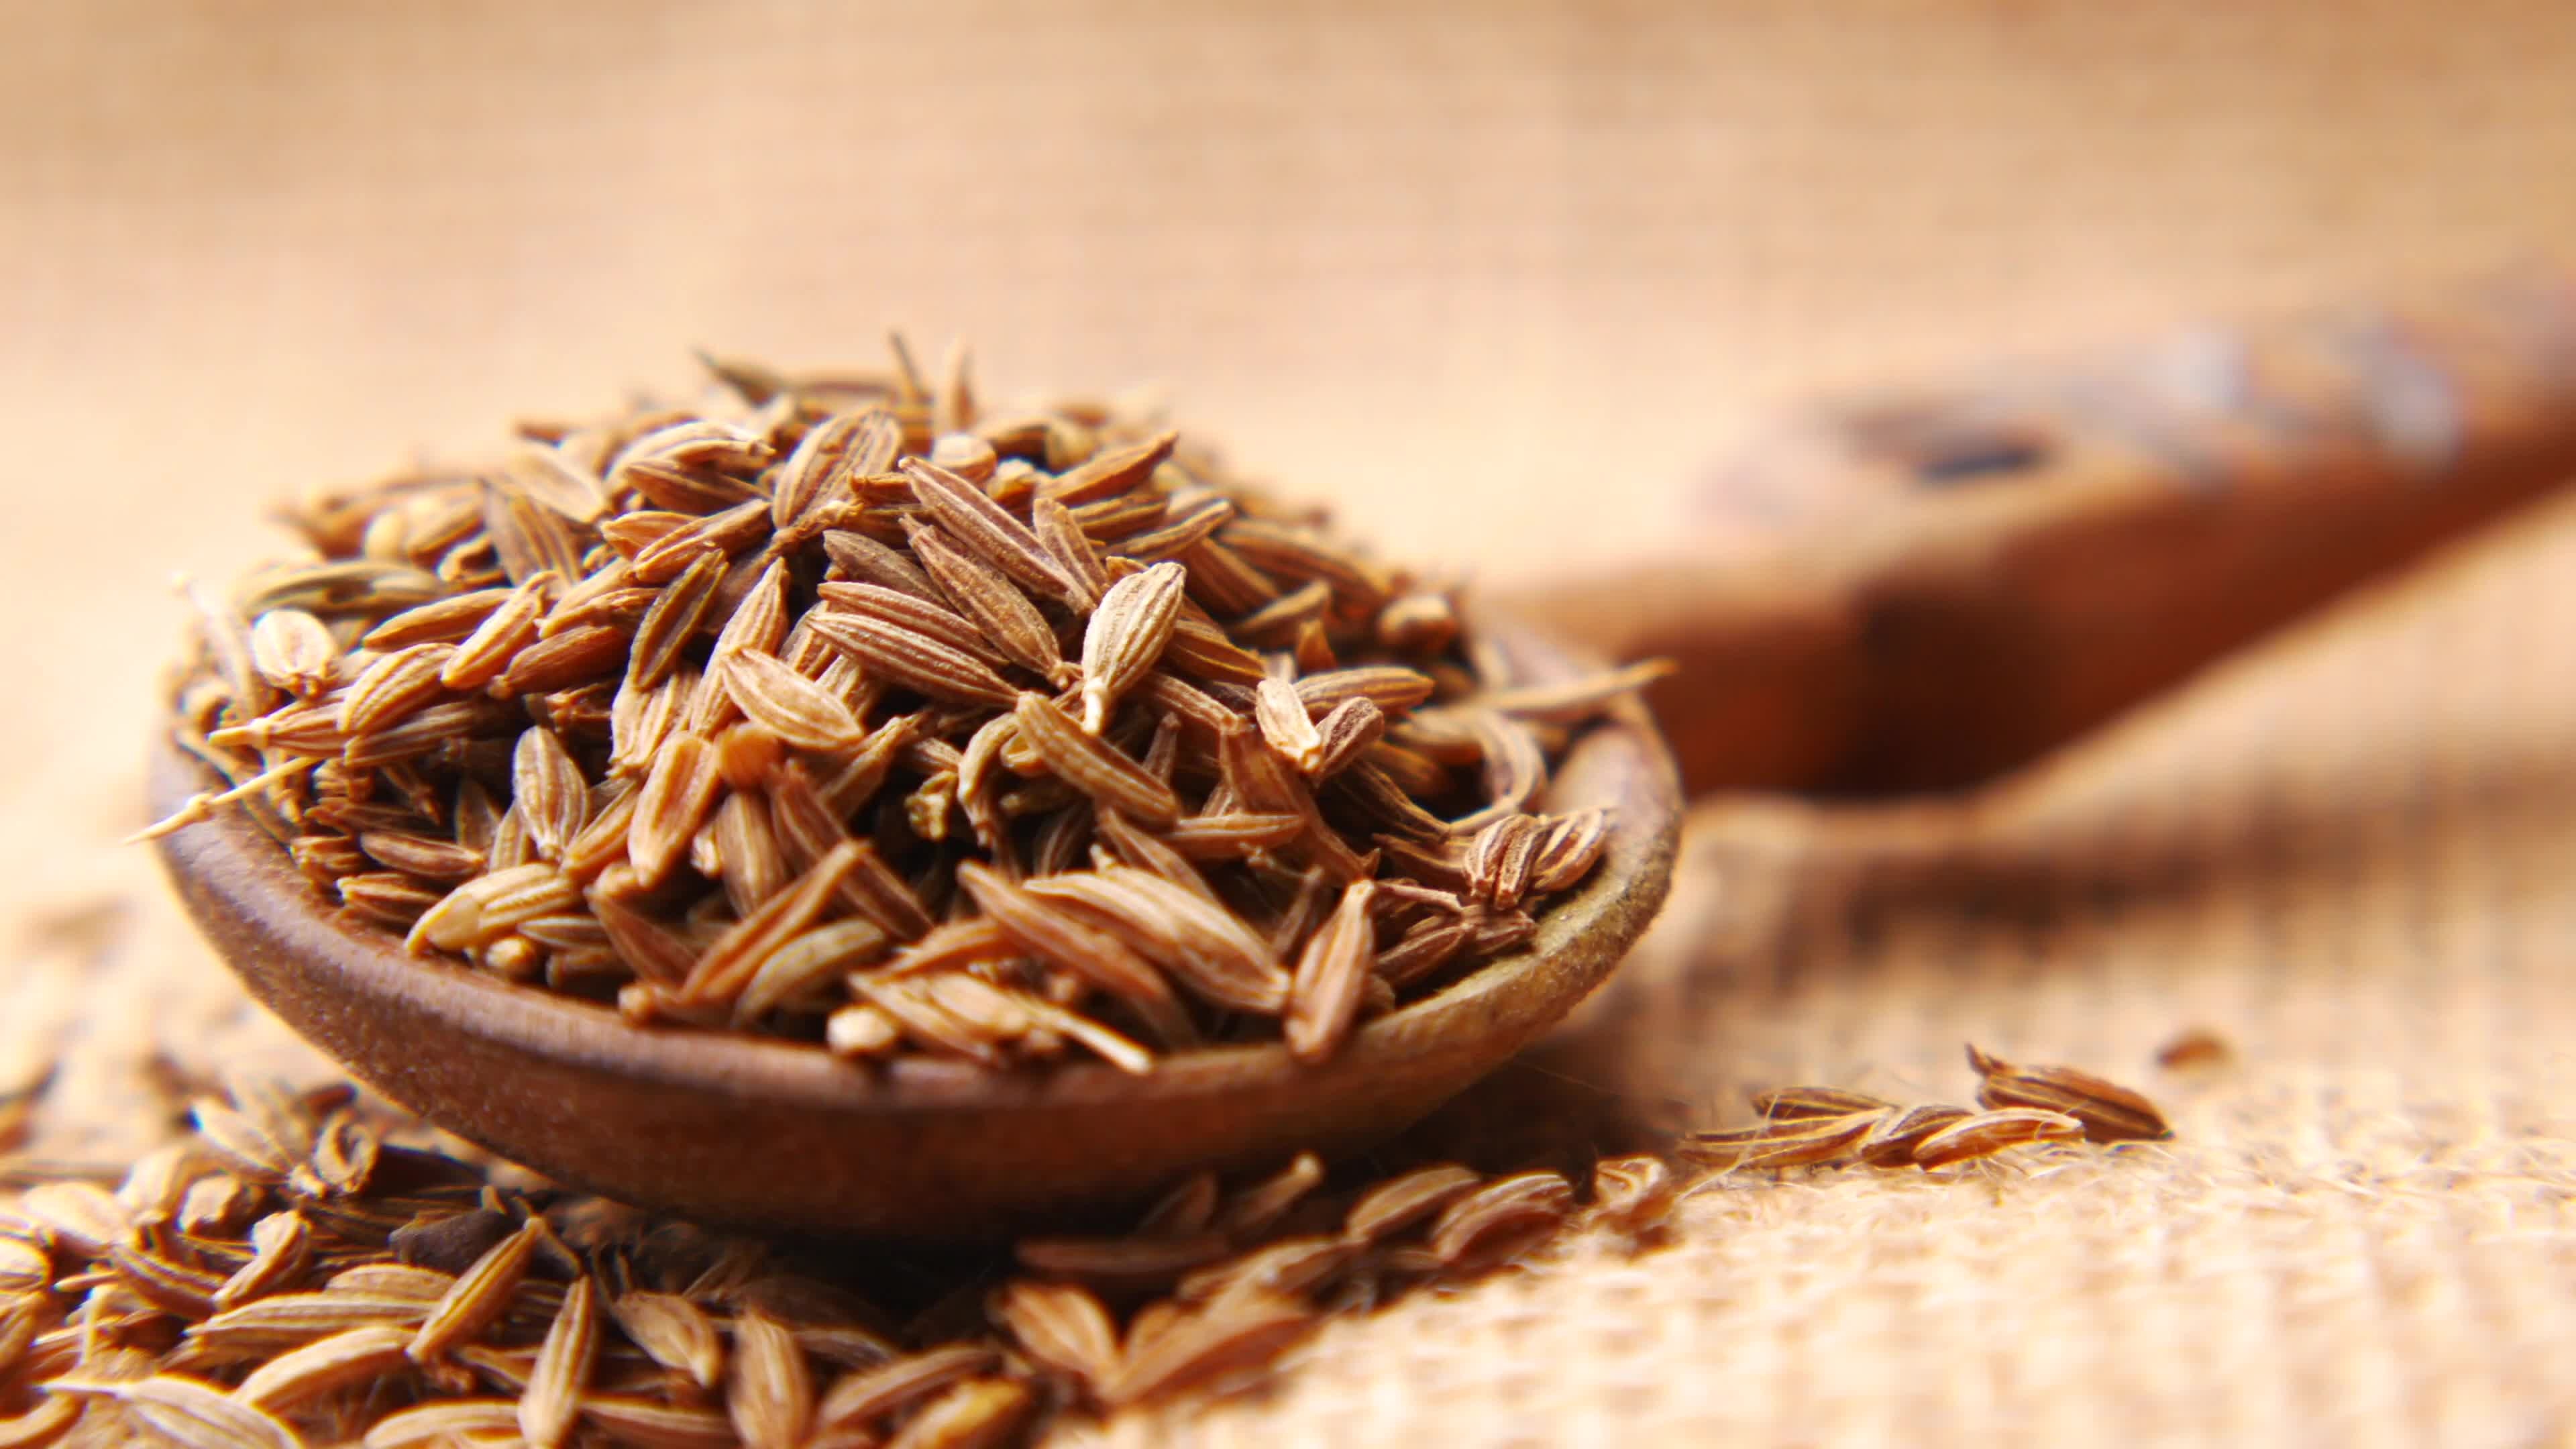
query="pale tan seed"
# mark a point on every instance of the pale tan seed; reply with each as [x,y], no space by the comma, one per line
[189,1412]
[746,839]
[1286,551]
[258,1150]
[735,957]
[1324,996]
[872,1393]
[1577,700]
[294,651]
[395,685]
[1094,766]
[1119,1051]
[1286,726]
[507,629]
[1500,1219]
[1185,527]
[1061,534]
[80,1216]
[443,1422]
[288,1320]
[1147,851]
[675,800]
[1229,1336]
[282,1244]
[858,558]
[221,1203]
[770,1389]
[337,588]
[345,1153]
[862,1030]
[547,789]
[552,1399]
[1061,1325]
[728,532]
[929,616]
[651,1424]
[790,706]
[640,719]
[1988,1133]
[1126,637]
[526,537]
[481,1295]
[548,476]
[1292,1267]
[817,474]
[978,1414]
[806,962]
[577,656]
[392,1280]
[1232,837]
[426,857]
[1110,474]
[674,1332]
[301,1375]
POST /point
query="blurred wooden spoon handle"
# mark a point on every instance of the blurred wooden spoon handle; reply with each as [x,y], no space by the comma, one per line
[1950,583]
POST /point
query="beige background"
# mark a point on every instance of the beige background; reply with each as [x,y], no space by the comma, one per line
[1441,264]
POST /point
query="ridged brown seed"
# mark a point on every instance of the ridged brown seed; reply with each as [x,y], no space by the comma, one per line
[1782,1104]
[552,1398]
[1324,995]
[985,527]
[677,614]
[2109,1111]
[986,595]
[1892,1142]
[866,1395]
[1205,947]
[1061,1325]
[914,659]
[770,1391]
[477,1298]
[1094,766]
[787,704]
[1988,1133]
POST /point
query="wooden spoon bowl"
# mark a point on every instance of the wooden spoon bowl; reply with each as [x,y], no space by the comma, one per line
[758,1131]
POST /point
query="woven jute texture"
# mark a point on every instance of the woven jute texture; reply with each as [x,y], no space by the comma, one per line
[1499,281]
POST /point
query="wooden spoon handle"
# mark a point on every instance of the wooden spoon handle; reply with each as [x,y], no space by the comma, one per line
[1918,592]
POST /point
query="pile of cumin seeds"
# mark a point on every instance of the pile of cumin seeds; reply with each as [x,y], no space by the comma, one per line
[312,1267]
[839,708]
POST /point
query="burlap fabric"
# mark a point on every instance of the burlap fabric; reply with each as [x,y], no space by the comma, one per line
[1500,280]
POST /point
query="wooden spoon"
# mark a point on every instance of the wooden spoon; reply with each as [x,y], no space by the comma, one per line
[1981,576]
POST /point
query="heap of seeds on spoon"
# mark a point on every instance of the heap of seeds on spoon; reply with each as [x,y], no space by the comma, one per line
[839,709]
